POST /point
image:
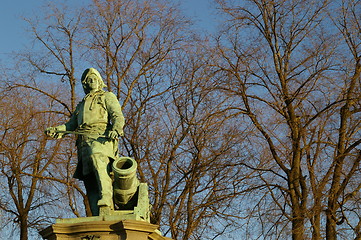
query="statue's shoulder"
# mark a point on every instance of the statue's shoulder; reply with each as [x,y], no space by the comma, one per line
[111,100]
[109,96]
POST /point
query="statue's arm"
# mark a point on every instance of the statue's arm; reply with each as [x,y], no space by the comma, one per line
[71,125]
[115,113]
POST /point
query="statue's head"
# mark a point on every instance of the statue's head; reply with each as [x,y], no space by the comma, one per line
[91,80]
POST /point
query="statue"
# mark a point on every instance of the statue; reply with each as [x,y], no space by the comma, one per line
[98,122]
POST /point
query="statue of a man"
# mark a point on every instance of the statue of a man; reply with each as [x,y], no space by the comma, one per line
[98,122]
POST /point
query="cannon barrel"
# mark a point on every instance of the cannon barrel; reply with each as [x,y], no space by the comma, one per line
[125,180]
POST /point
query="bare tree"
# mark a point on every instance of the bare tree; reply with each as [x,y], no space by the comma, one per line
[26,160]
[56,48]
[188,148]
[278,61]
[347,157]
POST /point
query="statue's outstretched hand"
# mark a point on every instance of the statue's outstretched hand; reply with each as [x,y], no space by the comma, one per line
[52,132]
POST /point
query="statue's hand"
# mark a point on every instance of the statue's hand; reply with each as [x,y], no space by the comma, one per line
[52,132]
[113,134]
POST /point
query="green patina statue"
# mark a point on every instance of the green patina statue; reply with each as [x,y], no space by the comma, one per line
[98,122]
[113,189]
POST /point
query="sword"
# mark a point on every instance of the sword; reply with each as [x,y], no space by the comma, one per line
[79,133]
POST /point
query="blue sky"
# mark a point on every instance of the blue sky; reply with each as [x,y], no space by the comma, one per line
[14,28]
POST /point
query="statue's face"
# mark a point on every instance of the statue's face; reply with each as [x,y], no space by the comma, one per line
[91,83]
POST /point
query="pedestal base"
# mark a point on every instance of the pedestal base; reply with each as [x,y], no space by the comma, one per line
[103,230]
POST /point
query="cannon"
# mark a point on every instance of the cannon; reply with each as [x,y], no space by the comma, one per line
[125,183]
[130,196]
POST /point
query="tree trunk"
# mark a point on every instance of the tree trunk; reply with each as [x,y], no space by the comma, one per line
[331,233]
[297,219]
[23,221]
[298,228]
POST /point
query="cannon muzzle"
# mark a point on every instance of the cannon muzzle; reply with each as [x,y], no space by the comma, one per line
[125,180]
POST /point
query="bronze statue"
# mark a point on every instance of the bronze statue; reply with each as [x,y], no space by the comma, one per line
[98,122]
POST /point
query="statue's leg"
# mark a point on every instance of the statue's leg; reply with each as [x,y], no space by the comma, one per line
[93,193]
[104,181]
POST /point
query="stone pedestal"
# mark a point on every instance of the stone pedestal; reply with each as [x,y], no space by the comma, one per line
[98,229]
